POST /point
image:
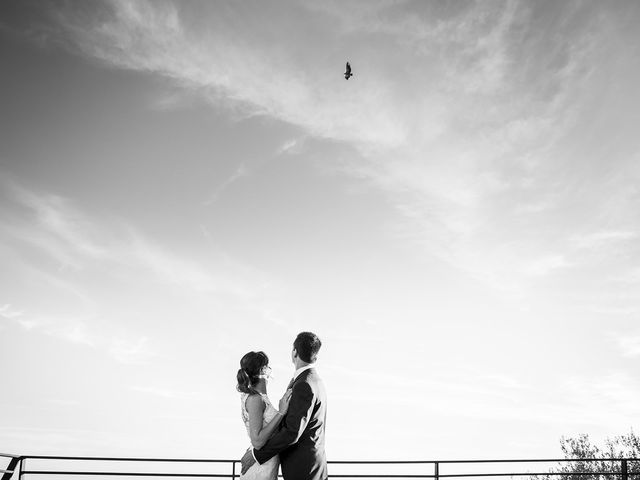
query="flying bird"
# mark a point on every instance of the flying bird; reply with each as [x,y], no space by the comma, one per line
[347,73]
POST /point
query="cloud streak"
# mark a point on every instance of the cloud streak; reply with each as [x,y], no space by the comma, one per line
[152,37]
[465,126]
[581,401]
[167,393]
[131,352]
[54,225]
[628,344]
[64,247]
[73,330]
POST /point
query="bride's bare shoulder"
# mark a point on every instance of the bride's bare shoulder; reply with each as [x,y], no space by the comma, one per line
[254,401]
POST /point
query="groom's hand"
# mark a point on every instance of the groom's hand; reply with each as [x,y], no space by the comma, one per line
[247,460]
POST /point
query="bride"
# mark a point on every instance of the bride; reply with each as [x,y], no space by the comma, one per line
[260,417]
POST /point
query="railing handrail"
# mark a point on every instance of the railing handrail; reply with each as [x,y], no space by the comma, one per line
[436,475]
[502,460]
[128,459]
[351,462]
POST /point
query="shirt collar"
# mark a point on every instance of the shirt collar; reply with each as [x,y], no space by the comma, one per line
[302,369]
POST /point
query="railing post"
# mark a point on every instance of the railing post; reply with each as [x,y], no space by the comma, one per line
[436,470]
[625,471]
[13,463]
[233,470]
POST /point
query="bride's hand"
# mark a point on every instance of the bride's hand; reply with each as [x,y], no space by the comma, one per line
[284,402]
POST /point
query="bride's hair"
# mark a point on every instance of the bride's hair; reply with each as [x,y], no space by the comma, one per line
[251,366]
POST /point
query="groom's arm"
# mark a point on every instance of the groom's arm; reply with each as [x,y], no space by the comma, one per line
[293,424]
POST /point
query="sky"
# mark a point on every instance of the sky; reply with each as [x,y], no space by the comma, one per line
[184,182]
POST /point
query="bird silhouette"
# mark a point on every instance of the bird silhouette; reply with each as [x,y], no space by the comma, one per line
[347,73]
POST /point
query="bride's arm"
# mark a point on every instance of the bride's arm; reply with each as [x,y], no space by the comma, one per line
[259,434]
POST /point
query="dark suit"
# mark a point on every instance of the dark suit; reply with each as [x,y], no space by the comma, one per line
[300,438]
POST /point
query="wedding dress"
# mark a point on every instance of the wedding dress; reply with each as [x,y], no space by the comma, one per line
[269,469]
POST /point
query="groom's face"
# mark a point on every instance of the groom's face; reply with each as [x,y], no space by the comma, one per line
[294,354]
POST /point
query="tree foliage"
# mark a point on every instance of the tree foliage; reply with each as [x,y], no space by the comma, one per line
[593,462]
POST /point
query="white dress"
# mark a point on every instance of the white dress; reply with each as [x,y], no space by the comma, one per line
[269,469]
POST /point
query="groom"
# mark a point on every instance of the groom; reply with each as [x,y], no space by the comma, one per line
[300,438]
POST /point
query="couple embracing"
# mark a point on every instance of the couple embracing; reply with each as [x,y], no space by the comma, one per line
[292,436]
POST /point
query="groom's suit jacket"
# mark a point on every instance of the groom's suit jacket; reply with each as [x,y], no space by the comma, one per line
[300,438]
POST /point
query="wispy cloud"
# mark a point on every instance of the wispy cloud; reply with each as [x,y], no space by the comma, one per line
[225,69]
[291,146]
[51,223]
[241,171]
[131,351]
[80,331]
[462,127]
[603,239]
[57,227]
[462,148]
[103,251]
[468,193]
[184,272]
[71,329]
[10,313]
[166,392]
[606,400]
[545,265]
[579,401]
[628,343]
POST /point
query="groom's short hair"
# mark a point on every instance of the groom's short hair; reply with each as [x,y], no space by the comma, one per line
[307,345]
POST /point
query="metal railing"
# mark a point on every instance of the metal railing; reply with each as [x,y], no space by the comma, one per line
[96,467]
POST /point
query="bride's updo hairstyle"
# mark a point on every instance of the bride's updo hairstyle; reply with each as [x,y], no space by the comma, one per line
[251,366]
